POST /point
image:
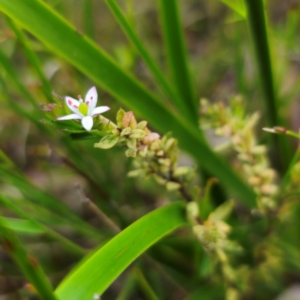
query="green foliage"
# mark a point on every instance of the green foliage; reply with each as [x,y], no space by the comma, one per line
[75,202]
[27,263]
[110,260]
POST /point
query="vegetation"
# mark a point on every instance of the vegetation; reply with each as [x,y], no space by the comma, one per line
[158,182]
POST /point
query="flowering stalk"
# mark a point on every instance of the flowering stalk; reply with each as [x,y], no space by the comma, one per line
[232,122]
[155,156]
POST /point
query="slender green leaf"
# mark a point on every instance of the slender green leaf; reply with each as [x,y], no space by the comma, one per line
[58,35]
[258,26]
[68,244]
[27,263]
[105,265]
[43,199]
[88,18]
[176,55]
[13,76]
[256,18]
[287,176]
[22,226]
[143,52]
[5,97]
[128,287]
[5,63]
[145,286]
[32,58]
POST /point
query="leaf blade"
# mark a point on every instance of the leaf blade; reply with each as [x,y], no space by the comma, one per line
[116,255]
[177,56]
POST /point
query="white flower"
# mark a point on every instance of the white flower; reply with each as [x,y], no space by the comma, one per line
[84,111]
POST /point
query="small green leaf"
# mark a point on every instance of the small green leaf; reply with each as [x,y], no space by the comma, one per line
[120,117]
[107,142]
[136,173]
[131,144]
[181,171]
[159,179]
[141,125]
[130,153]
[172,186]
[137,134]
[222,211]
[126,131]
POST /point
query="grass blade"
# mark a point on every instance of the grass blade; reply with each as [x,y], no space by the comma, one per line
[72,247]
[143,52]
[27,263]
[23,226]
[177,57]
[145,286]
[5,63]
[258,26]
[45,200]
[88,18]
[112,259]
[12,74]
[32,58]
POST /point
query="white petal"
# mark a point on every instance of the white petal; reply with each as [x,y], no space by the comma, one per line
[73,105]
[91,98]
[87,123]
[99,110]
[69,117]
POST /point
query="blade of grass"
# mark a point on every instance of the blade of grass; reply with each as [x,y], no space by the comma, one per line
[128,287]
[129,8]
[88,18]
[27,263]
[22,226]
[258,27]
[8,166]
[177,57]
[239,62]
[106,264]
[32,115]
[43,199]
[11,174]
[72,247]
[145,286]
[63,39]
[287,176]
[4,96]
[7,66]
[31,56]
[149,61]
